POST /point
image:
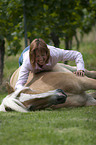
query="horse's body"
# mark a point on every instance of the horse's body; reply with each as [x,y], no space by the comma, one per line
[61,77]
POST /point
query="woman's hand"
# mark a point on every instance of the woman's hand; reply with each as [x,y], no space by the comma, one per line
[79,73]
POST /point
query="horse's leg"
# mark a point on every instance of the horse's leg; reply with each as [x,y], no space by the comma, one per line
[58,68]
[90,74]
[90,101]
[71,83]
[68,82]
[93,94]
[87,83]
[68,67]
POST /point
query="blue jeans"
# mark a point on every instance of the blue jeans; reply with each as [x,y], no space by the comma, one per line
[21,57]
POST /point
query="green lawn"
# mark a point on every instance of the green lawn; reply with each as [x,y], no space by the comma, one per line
[71,126]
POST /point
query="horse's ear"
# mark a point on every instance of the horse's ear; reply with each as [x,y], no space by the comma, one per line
[9,88]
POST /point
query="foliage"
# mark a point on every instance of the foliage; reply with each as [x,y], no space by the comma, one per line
[11,24]
[89,17]
[62,18]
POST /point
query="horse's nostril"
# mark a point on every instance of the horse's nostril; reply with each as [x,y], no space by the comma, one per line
[58,99]
[61,99]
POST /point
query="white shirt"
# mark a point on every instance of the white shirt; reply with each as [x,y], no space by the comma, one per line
[56,55]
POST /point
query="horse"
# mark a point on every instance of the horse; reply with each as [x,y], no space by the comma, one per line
[57,88]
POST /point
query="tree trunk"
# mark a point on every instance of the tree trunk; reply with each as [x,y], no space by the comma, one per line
[77,41]
[2,52]
[68,46]
[55,39]
[25,25]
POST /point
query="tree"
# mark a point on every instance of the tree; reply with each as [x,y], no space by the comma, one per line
[10,25]
[57,19]
[89,16]
[2,51]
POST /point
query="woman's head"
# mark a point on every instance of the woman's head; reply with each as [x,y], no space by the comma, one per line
[39,52]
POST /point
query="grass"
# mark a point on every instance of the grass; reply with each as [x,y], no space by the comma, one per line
[89,55]
[10,65]
[74,126]
[66,126]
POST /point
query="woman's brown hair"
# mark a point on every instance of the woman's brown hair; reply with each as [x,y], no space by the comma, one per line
[38,44]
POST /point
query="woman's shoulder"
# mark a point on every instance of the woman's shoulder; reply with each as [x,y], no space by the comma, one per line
[26,55]
[51,47]
[54,50]
[26,59]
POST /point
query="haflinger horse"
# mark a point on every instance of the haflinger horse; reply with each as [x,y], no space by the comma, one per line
[56,89]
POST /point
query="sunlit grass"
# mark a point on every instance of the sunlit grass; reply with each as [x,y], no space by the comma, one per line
[74,126]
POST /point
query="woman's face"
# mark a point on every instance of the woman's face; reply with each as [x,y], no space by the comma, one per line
[41,58]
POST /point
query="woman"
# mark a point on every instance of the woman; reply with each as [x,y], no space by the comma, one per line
[42,57]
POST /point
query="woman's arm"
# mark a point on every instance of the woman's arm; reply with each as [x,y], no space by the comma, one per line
[74,55]
[64,55]
[23,76]
[24,72]
[77,56]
